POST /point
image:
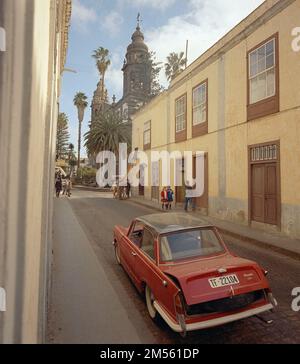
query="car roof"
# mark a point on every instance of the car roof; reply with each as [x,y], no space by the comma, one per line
[169,222]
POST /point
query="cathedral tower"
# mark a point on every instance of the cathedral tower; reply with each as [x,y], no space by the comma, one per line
[136,76]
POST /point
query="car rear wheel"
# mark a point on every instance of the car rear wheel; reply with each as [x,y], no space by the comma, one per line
[150,303]
[117,254]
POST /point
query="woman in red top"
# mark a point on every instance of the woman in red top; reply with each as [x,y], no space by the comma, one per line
[164,198]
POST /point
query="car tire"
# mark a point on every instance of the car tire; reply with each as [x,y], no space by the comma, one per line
[117,254]
[149,301]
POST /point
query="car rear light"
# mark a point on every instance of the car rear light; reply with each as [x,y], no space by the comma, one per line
[272,299]
[179,305]
[180,313]
[265,272]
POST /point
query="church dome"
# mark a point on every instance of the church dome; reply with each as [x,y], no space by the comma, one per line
[137,41]
[137,36]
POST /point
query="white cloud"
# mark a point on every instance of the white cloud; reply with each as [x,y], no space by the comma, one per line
[114,75]
[112,23]
[114,81]
[156,4]
[82,15]
[204,23]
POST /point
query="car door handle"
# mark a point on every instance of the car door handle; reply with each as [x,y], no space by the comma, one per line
[133,253]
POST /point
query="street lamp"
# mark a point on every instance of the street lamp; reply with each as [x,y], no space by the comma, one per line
[69,70]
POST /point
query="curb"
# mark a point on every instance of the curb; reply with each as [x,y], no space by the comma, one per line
[92,189]
[256,242]
[261,244]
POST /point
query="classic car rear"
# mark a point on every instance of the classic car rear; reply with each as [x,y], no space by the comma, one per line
[188,275]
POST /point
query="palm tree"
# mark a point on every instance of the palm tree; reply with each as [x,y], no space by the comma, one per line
[175,65]
[102,62]
[80,101]
[106,133]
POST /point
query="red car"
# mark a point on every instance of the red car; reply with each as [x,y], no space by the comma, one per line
[187,274]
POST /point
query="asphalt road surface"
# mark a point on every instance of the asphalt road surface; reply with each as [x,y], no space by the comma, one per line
[97,216]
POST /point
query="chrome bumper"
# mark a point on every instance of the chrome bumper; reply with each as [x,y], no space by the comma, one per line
[175,326]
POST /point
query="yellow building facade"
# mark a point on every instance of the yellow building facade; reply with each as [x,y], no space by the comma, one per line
[239,102]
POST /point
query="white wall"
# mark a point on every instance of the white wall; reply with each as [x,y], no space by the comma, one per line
[28,112]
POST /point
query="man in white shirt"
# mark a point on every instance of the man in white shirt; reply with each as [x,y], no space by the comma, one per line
[189,196]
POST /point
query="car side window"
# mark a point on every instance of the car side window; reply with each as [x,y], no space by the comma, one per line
[136,233]
[148,243]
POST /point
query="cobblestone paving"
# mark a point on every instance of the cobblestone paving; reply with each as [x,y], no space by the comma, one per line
[98,216]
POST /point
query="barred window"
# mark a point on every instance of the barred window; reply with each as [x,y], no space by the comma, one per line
[199,104]
[262,63]
[180,114]
[264,153]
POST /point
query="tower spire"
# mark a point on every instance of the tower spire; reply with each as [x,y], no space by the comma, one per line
[138,20]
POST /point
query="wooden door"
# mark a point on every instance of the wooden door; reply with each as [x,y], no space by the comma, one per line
[264,198]
[179,181]
[142,181]
[180,194]
[155,181]
[202,201]
[270,194]
[257,193]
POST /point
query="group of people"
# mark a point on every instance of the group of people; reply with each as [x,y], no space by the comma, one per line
[63,184]
[121,192]
[167,198]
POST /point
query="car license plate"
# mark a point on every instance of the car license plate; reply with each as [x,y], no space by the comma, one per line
[223,281]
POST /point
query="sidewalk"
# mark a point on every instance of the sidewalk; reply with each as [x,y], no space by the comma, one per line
[277,242]
[84,307]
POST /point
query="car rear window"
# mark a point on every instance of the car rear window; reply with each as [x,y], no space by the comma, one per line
[189,244]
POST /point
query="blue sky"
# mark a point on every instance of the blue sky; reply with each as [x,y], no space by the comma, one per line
[166,24]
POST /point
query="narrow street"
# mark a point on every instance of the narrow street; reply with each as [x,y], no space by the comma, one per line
[94,301]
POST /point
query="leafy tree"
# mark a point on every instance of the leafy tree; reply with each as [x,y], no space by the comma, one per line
[62,136]
[80,101]
[156,87]
[175,65]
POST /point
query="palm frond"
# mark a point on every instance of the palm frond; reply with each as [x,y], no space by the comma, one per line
[106,133]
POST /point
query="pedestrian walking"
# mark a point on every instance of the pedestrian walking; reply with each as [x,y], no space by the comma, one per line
[64,186]
[58,187]
[68,187]
[164,198]
[189,199]
[128,188]
[170,197]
